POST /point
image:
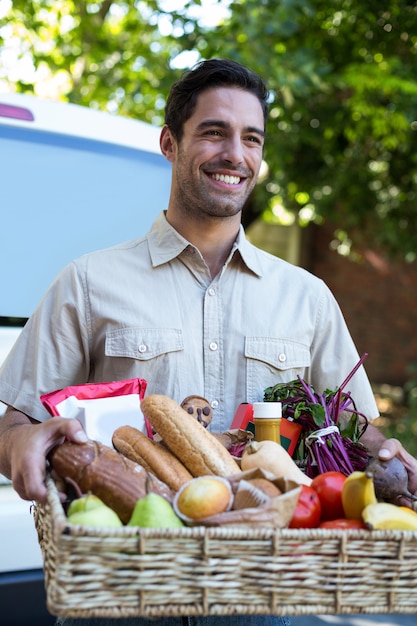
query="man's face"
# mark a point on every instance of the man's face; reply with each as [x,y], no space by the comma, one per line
[217,161]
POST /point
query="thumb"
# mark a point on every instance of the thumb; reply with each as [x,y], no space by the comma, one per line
[68,429]
[389,449]
[393,447]
[79,436]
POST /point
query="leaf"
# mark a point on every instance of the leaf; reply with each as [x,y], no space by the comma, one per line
[318,413]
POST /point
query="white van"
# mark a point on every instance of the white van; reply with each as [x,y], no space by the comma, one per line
[72,180]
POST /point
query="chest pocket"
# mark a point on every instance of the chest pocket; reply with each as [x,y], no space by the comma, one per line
[271,360]
[150,353]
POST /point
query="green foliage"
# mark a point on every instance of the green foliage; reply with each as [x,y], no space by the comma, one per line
[342,133]
[399,411]
[109,55]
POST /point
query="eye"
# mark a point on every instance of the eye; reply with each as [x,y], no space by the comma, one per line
[213,132]
[255,139]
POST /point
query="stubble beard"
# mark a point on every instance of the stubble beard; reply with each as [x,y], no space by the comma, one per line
[198,201]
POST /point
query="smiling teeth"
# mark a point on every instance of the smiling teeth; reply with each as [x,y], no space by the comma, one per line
[230,180]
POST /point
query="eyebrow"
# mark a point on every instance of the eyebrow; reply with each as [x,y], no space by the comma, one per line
[222,124]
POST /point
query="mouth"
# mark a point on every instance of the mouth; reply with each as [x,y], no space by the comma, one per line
[227,179]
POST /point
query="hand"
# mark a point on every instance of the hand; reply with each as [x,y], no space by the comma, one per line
[393,447]
[30,444]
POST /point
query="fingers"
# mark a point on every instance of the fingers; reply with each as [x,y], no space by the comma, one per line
[29,480]
[393,447]
[30,454]
[60,428]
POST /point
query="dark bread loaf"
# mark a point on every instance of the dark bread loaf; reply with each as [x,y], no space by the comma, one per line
[98,469]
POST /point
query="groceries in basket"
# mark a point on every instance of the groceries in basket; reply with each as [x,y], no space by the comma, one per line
[136,465]
[174,457]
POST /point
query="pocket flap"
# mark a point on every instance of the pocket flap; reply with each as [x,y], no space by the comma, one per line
[143,343]
[280,353]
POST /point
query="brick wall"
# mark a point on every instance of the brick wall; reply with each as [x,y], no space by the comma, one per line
[379,302]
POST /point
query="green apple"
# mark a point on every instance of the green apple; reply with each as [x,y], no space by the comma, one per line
[89,510]
[154,511]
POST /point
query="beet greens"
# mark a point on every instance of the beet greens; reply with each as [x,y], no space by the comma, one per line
[331,425]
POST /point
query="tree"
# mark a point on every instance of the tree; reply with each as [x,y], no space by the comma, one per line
[106,55]
[343,129]
[342,134]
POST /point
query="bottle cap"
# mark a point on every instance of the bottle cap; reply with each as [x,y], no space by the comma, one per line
[267,409]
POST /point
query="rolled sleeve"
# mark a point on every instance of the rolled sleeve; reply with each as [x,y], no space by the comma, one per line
[52,350]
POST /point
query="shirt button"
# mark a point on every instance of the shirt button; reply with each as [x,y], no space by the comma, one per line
[211,292]
[142,348]
[214,404]
[282,358]
[213,345]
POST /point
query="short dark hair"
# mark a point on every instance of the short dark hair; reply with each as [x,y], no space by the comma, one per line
[183,95]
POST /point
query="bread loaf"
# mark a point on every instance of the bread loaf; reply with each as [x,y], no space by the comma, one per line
[153,456]
[201,453]
[115,479]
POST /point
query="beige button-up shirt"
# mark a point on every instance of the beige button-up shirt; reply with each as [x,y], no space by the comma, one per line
[148,308]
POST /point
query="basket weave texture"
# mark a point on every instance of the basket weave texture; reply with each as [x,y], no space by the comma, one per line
[126,572]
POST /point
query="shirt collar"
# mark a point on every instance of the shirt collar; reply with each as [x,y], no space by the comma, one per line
[165,244]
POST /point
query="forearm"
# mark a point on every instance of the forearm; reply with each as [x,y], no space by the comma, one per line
[373,439]
[11,424]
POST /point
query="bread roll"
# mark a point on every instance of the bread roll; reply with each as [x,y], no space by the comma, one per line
[153,456]
[201,453]
[115,479]
[266,486]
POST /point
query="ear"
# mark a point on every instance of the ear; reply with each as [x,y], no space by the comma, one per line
[168,144]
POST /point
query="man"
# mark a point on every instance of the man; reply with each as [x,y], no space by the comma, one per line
[192,307]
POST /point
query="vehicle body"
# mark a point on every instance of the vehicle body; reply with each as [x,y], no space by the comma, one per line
[72,180]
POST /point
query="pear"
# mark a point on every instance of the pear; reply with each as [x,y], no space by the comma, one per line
[84,503]
[89,510]
[154,511]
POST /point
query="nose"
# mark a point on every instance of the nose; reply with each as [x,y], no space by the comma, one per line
[233,150]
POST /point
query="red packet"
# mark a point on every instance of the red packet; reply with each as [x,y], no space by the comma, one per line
[243,417]
[100,407]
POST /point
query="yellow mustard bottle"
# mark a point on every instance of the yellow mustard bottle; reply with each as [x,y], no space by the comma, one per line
[267,419]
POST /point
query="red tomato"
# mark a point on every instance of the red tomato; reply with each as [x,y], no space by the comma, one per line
[328,487]
[307,513]
[342,523]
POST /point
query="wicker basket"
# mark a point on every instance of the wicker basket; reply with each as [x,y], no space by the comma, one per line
[126,572]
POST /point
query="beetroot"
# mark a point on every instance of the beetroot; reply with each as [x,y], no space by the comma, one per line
[390,479]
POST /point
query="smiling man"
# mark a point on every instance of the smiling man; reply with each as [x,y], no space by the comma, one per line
[216,156]
[192,307]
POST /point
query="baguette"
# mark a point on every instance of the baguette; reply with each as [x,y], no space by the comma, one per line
[98,469]
[152,455]
[199,450]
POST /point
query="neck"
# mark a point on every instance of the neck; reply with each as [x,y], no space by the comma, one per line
[213,237]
